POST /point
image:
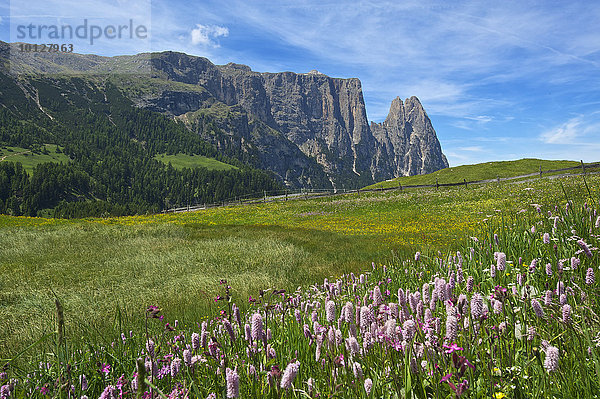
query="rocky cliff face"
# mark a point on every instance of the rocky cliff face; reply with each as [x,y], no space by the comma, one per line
[407,143]
[309,129]
[322,117]
[326,119]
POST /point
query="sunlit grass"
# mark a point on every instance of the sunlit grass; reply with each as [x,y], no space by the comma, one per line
[481,171]
[105,272]
[180,161]
[30,160]
[100,265]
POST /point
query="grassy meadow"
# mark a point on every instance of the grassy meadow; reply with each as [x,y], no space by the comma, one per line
[181,161]
[106,272]
[30,160]
[481,171]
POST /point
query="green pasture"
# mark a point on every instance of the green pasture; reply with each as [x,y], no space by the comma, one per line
[106,271]
[482,171]
[30,159]
[180,161]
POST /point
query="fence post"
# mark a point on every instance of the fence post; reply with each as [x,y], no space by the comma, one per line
[465,180]
[400,184]
[498,179]
[583,167]
[436,183]
[286,194]
[358,191]
[540,170]
[264,196]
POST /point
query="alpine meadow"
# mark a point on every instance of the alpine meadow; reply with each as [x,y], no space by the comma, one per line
[299,199]
[484,291]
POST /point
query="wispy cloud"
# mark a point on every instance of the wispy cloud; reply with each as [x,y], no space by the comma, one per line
[433,91]
[471,122]
[575,131]
[566,133]
[207,35]
[481,118]
[456,158]
[473,148]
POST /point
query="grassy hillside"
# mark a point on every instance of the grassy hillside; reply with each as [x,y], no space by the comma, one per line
[134,87]
[180,161]
[482,171]
[30,159]
[105,269]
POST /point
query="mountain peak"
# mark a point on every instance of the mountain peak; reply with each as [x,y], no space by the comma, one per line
[413,103]
[409,142]
[309,129]
[240,67]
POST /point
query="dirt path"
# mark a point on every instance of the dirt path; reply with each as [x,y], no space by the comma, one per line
[11,155]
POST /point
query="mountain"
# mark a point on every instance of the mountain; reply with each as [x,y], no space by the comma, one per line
[309,129]
[280,113]
[110,149]
[407,141]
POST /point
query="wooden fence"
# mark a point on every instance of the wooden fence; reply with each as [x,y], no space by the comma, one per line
[284,195]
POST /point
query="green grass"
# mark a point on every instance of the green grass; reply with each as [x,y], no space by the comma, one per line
[94,268]
[180,161]
[134,87]
[99,266]
[482,171]
[217,110]
[28,159]
[106,271]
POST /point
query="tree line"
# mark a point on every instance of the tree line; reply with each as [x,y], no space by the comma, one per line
[111,145]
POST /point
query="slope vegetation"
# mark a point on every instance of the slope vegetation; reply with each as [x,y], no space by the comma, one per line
[481,171]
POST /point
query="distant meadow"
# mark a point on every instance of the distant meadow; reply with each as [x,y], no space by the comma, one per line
[476,292]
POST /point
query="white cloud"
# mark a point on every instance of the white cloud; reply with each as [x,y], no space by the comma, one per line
[429,90]
[494,139]
[458,157]
[462,124]
[481,118]
[471,122]
[473,148]
[205,35]
[221,31]
[566,133]
[581,130]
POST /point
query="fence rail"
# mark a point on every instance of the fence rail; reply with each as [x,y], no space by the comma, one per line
[284,195]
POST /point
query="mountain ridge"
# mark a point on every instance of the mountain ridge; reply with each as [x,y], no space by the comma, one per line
[309,129]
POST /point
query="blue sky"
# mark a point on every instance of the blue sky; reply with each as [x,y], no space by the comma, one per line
[499,80]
